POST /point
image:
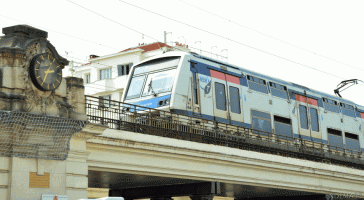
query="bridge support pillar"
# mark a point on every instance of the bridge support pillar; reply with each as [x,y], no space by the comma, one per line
[30,178]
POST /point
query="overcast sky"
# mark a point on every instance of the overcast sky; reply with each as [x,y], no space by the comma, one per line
[266,36]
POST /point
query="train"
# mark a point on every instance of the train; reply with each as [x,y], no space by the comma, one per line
[195,85]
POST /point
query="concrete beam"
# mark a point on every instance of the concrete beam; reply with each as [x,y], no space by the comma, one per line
[167,191]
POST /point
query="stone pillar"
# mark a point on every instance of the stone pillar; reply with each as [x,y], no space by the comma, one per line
[76,163]
[36,157]
[26,178]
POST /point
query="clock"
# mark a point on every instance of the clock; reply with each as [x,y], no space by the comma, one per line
[45,72]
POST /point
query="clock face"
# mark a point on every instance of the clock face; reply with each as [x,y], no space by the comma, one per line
[45,72]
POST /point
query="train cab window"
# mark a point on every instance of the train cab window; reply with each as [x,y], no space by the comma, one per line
[347,110]
[261,121]
[220,96]
[352,141]
[278,90]
[234,99]
[331,105]
[335,137]
[283,126]
[257,84]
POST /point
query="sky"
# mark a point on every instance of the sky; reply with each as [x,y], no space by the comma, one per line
[313,43]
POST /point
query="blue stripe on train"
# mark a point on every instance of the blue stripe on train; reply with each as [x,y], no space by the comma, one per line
[149,103]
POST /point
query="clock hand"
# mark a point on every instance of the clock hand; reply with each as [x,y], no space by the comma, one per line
[44,77]
[46,72]
[52,71]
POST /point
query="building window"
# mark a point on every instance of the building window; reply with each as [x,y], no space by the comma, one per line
[104,101]
[87,78]
[105,74]
[124,69]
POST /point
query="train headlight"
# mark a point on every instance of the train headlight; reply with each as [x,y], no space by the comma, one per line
[166,102]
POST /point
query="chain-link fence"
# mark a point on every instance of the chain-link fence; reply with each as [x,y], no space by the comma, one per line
[36,136]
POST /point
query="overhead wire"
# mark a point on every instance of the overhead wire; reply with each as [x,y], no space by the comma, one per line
[60,32]
[173,47]
[272,37]
[232,40]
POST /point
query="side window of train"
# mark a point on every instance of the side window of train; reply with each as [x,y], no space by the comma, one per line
[234,99]
[195,92]
[335,137]
[347,110]
[283,126]
[314,119]
[331,105]
[261,121]
[278,90]
[303,117]
[220,96]
[352,141]
[257,84]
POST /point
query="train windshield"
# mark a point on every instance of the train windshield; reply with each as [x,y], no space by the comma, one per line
[156,76]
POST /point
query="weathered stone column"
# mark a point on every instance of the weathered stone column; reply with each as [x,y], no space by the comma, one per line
[39,114]
[76,163]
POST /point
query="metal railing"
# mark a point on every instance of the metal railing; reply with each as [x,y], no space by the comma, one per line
[129,117]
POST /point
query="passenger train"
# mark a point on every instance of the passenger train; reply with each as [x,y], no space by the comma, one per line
[202,87]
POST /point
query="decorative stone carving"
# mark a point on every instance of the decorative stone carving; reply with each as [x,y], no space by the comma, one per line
[17,48]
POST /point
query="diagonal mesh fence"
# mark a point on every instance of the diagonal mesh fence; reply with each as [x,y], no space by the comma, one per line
[36,136]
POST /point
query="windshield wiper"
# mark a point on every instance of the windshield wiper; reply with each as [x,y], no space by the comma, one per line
[151,88]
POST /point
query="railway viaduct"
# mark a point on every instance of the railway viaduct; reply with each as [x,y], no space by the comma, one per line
[57,144]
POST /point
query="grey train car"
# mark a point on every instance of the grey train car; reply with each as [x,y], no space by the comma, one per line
[194,85]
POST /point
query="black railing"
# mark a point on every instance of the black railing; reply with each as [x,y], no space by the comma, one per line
[129,117]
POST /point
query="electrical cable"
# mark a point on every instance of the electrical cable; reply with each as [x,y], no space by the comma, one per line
[232,40]
[60,33]
[273,37]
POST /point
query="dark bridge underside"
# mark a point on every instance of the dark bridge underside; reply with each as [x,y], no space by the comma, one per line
[134,186]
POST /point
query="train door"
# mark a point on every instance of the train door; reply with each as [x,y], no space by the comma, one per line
[234,99]
[196,102]
[221,111]
[308,118]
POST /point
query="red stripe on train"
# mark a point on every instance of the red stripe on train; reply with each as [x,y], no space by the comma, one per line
[221,76]
[216,74]
[232,79]
[306,100]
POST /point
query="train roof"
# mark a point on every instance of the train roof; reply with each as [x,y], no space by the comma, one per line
[277,80]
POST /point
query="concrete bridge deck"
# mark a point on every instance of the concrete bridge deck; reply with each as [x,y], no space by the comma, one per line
[120,152]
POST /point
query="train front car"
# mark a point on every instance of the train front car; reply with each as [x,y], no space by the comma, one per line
[151,82]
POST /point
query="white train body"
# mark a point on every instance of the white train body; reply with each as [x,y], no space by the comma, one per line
[202,87]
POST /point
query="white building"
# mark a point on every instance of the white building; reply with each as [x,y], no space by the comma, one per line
[106,76]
